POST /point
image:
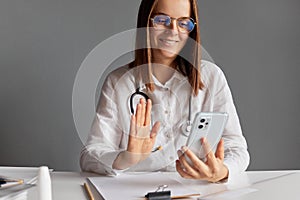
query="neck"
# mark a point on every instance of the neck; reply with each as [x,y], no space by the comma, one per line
[162,72]
[163,68]
[170,62]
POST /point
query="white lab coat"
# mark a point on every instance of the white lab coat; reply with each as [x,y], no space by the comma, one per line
[110,128]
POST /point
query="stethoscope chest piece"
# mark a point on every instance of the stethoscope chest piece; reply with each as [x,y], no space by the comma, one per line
[186,128]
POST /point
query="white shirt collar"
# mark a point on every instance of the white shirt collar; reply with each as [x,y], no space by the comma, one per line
[175,79]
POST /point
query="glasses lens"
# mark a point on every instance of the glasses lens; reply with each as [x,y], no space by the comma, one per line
[161,20]
[186,25]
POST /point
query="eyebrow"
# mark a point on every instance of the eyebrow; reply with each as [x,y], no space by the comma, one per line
[161,13]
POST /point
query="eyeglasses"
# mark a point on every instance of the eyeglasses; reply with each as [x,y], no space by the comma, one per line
[184,24]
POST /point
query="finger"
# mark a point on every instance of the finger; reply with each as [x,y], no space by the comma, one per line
[138,114]
[181,171]
[132,126]
[211,159]
[187,167]
[143,109]
[220,150]
[198,164]
[155,130]
[148,112]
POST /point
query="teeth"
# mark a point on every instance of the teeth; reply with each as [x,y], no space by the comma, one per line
[169,41]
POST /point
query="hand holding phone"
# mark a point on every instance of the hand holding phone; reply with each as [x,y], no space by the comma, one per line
[209,125]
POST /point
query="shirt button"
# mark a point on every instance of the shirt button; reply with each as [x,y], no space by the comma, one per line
[171,158]
[166,112]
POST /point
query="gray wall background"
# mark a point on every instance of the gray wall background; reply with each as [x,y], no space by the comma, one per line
[43,43]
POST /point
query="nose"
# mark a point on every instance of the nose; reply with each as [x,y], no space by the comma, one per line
[173,26]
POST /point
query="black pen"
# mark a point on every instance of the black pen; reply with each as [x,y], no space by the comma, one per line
[6,182]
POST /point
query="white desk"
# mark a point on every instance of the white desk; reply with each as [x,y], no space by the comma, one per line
[285,185]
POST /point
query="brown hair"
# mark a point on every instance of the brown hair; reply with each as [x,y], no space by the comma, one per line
[191,50]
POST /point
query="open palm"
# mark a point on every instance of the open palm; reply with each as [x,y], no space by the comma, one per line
[141,139]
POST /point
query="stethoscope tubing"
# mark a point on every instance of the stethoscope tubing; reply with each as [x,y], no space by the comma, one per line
[186,129]
[137,92]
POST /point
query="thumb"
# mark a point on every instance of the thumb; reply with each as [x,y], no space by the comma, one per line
[155,130]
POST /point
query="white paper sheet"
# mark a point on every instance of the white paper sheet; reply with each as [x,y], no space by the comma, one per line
[136,186]
[132,186]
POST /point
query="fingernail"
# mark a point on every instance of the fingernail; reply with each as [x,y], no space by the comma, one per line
[179,153]
[203,140]
[184,148]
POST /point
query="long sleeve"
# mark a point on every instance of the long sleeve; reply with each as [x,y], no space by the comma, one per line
[104,140]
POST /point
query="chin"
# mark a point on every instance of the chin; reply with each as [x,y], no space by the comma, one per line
[168,54]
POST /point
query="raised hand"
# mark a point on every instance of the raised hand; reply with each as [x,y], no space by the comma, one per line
[141,139]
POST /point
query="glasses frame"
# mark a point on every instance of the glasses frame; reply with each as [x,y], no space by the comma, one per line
[176,19]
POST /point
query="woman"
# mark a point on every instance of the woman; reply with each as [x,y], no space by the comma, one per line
[178,84]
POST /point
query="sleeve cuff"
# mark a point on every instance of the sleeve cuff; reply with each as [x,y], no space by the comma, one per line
[107,161]
[231,172]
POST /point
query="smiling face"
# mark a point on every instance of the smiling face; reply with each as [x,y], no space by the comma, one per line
[167,43]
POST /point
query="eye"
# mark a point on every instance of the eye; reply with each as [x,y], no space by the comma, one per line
[161,20]
[186,24]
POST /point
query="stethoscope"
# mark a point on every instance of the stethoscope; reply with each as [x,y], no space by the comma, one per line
[136,93]
[186,127]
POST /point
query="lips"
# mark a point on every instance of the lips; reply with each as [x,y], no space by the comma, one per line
[169,42]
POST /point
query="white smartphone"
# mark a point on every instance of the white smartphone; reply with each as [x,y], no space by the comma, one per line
[206,124]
